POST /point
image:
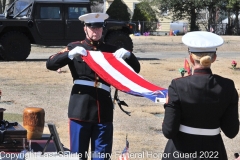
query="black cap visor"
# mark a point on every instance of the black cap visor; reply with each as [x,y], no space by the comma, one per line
[95,25]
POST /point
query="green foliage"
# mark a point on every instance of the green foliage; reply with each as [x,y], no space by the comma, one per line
[118,11]
[138,16]
[144,12]
[189,9]
[183,9]
[233,4]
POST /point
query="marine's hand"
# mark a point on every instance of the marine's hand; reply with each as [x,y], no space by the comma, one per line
[77,51]
[122,53]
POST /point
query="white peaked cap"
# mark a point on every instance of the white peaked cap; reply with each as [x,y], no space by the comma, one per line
[93,17]
[202,41]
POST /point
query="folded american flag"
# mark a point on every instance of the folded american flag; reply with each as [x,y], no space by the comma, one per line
[120,75]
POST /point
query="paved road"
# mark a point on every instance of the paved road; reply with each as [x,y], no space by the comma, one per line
[146,55]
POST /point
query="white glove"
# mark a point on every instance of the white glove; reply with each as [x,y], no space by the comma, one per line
[77,51]
[122,53]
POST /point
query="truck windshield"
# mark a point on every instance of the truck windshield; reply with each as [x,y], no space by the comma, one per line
[19,6]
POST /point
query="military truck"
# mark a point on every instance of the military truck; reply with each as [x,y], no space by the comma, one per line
[52,23]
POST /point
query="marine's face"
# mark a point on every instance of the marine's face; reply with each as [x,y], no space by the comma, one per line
[93,33]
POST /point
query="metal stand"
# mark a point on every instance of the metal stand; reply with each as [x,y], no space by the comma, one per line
[54,136]
[45,147]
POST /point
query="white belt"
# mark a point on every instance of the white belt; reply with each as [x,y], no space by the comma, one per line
[199,131]
[93,84]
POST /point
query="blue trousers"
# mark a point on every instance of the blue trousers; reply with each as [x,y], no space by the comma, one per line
[101,136]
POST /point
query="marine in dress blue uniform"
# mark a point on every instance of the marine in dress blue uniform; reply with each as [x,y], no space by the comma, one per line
[90,107]
[200,107]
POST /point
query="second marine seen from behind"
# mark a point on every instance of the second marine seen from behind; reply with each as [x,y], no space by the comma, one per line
[90,107]
[200,107]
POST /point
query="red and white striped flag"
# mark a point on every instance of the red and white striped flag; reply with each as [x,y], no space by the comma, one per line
[120,75]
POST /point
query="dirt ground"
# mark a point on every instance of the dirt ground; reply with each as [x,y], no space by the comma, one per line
[30,84]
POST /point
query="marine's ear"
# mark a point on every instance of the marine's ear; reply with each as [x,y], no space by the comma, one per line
[191,59]
[214,57]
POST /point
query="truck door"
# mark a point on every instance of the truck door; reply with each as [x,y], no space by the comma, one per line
[74,27]
[49,21]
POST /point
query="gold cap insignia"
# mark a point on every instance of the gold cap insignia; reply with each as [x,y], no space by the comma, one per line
[97,15]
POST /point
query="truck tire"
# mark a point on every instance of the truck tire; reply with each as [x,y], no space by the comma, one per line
[120,39]
[15,46]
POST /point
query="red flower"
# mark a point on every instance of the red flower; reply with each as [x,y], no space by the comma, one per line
[234,62]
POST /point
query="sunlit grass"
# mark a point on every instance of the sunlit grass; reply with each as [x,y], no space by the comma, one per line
[13,117]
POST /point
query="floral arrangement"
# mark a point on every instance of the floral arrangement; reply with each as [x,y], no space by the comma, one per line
[234,64]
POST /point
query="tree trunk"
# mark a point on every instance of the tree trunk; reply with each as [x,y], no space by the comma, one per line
[210,18]
[228,28]
[7,3]
[229,17]
[237,21]
[193,26]
[1,7]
